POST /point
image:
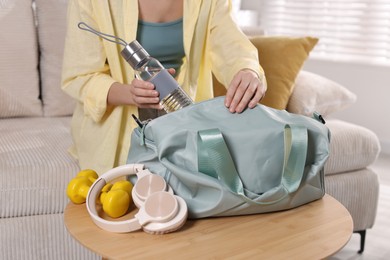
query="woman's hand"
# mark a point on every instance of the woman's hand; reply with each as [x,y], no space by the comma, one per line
[245,90]
[138,93]
[143,94]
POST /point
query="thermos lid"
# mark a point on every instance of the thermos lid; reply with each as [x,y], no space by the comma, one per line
[134,54]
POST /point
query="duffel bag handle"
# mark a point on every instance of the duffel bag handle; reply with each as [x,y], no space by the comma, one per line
[214,159]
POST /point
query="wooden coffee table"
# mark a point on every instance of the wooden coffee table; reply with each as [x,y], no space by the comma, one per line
[313,231]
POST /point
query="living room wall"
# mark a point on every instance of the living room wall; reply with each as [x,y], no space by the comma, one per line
[370,83]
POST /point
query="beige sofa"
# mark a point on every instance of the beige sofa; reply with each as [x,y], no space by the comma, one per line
[35,115]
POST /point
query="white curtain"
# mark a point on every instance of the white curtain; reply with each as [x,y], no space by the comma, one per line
[353,30]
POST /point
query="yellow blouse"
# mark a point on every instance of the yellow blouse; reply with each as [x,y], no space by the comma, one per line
[101,133]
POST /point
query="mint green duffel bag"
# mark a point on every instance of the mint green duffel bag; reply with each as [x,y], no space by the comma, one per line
[222,164]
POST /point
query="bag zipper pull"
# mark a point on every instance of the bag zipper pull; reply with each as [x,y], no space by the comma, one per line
[317,116]
[139,123]
[142,127]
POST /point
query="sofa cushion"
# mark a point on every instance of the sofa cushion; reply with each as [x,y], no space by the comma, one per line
[40,237]
[282,59]
[51,17]
[19,80]
[35,166]
[315,93]
[352,147]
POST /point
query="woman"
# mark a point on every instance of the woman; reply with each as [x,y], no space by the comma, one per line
[205,40]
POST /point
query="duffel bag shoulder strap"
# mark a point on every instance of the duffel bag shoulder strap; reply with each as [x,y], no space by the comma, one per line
[214,159]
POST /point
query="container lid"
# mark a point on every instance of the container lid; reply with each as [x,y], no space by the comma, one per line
[134,54]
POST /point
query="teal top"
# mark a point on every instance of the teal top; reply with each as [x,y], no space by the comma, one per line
[163,41]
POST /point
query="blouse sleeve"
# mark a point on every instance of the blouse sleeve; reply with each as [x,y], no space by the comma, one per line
[85,73]
[230,50]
